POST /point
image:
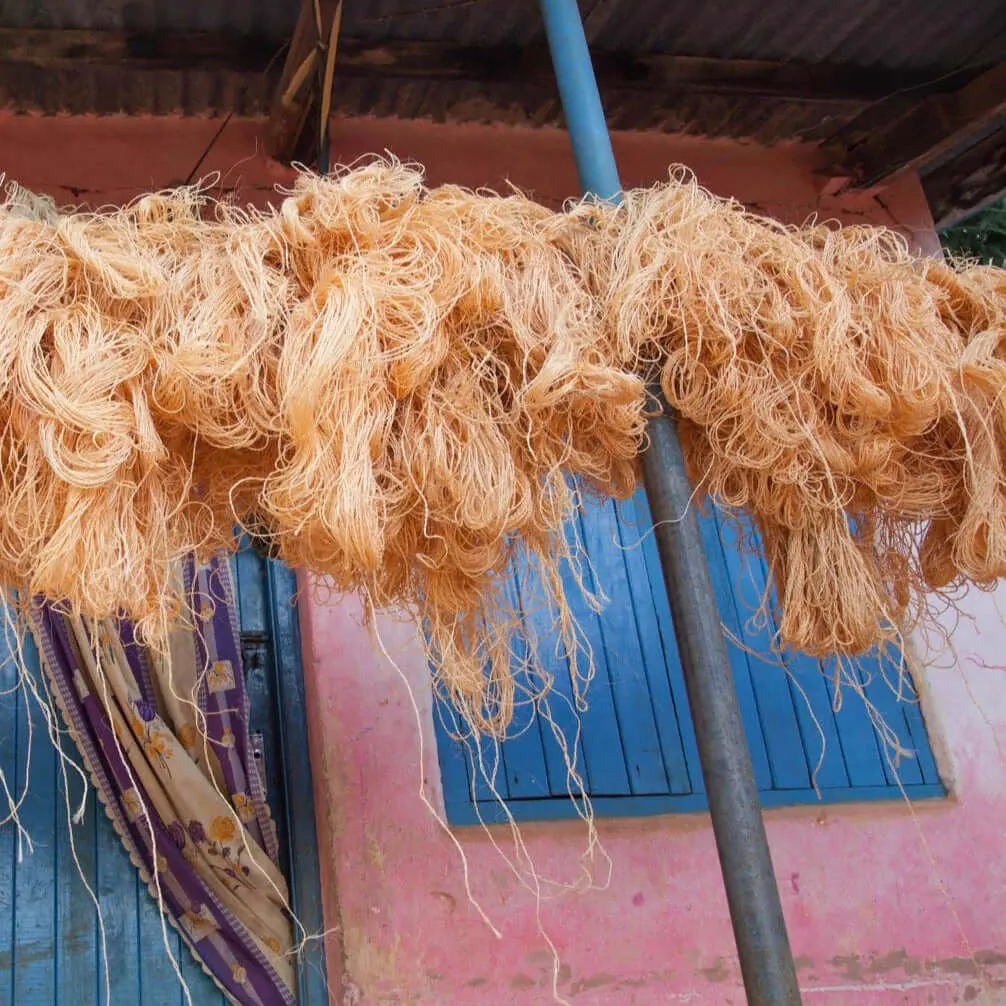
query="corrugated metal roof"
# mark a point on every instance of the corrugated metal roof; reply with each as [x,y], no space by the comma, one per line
[468,22]
[930,37]
[894,34]
[272,18]
[891,34]
[106,91]
[161,92]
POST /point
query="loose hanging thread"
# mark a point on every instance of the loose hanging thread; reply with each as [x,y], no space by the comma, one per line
[407,390]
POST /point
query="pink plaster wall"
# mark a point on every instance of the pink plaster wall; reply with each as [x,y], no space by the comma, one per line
[885,905]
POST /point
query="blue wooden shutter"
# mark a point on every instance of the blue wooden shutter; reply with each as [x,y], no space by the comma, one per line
[49,940]
[274,673]
[636,752]
[50,948]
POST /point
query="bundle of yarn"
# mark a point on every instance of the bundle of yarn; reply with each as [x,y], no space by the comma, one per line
[407,390]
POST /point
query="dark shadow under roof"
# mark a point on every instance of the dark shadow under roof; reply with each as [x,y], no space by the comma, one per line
[771,72]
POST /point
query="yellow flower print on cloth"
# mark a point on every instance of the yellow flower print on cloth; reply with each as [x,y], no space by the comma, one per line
[157,746]
[220,677]
[150,731]
[224,848]
[132,804]
[223,829]
[188,736]
[244,806]
[199,924]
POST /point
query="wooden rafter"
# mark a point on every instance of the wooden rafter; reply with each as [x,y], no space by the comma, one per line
[311,50]
[907,132]
[972,180]
[131,53]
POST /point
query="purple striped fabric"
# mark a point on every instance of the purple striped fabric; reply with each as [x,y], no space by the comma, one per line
[223,944]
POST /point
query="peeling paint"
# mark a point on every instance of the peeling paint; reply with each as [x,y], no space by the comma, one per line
[593,982]
[857,968]
[447,899]
[969,966]
[862,969]
[375,854]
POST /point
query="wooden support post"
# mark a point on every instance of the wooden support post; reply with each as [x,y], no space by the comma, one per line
[298,90]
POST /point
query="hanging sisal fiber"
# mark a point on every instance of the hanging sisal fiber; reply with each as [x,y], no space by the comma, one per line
[406,388]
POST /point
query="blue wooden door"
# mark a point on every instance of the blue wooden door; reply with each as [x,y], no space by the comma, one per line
[50,942]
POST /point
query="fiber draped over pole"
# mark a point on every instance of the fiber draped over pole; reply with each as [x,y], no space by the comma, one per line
[408,389]
[763,949]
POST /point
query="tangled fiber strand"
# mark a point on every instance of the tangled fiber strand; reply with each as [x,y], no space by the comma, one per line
[846,394]
[408,389]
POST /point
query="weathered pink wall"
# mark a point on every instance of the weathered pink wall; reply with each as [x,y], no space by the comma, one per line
[885,905]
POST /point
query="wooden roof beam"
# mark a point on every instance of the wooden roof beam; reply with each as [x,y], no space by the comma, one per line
[903,133]
[974,179]
[130,53]
[307,61]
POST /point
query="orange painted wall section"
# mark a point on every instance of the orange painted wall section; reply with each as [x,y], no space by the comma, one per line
[111,160]
[886,904]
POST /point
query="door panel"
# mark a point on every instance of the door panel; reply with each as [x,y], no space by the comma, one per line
[50,945]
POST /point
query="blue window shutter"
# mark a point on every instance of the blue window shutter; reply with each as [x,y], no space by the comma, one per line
[622,666]
[523,755]
[776,710]
[604,767]
[561,709]
[48,928]
[636,753]
[49,934]
[633,520]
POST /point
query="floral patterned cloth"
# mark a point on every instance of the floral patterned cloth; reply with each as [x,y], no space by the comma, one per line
[165,737]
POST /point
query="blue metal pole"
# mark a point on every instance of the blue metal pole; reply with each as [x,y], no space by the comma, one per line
[581,101]
[749,879]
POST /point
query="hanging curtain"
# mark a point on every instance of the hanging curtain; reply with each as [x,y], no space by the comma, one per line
[165,738]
